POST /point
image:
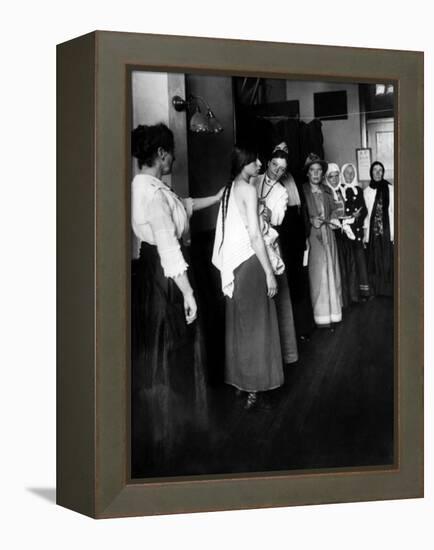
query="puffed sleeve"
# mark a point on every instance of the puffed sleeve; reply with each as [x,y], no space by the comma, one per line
[164,231]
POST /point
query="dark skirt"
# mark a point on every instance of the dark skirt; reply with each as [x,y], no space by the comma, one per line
[380,265]
[362,270]
[285,318]
[253,352]
[348,268]
[169,396]
[292,241]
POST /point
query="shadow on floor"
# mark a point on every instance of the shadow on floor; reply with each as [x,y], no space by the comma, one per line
[47,493]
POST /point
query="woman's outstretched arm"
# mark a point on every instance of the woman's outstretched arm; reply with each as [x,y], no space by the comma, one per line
[205,202]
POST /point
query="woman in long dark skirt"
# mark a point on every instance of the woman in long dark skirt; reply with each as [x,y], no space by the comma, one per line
[274,197]
[293,236]
[253,353]
[169,398]
[379,231]
[344,237]
[355,208]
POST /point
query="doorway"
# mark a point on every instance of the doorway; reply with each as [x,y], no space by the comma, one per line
[381,141]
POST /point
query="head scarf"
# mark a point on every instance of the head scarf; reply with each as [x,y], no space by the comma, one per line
[332,167]
[376,184]
[352,184]
[382,192]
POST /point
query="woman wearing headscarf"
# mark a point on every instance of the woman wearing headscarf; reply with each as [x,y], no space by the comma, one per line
[168,381]
[355,212]
[273,202]
[344,237]
[253,351]
[324,274]
[379,231]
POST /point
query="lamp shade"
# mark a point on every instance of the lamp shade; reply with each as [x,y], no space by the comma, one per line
[213,124]
[198,122]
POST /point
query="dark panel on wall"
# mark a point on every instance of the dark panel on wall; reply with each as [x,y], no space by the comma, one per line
[331,105]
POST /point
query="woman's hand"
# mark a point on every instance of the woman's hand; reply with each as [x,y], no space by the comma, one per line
[266,213]
[271,285]
[199,203]
[190,308]
[316,221]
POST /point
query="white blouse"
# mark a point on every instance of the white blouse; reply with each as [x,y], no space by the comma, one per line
[274,195]
[234,249]
[159,217]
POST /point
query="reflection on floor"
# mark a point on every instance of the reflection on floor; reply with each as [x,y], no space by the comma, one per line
[336,408]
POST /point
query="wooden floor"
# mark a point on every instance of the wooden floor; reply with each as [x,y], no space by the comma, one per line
[336,408]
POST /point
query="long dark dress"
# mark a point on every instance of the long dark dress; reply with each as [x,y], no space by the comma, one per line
[169,396]
[293,233]
[354,203]
[347,258]
[380,245]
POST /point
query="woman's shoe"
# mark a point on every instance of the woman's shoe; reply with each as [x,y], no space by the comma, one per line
[251,400]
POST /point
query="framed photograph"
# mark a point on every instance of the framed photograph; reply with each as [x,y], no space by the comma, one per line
[364,161]
[240,280]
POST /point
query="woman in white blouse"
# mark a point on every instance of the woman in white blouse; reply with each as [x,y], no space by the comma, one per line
[168,381]
[273,197]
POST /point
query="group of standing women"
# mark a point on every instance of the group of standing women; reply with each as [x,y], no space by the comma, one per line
[288,257]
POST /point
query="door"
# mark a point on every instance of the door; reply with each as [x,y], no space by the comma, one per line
[381,141]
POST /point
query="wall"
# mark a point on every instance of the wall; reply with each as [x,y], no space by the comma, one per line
[341,137]
[152,103]
[152,94]
[209,155]
[275,89]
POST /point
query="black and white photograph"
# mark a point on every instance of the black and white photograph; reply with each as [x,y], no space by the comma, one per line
[262,274]
[217,227]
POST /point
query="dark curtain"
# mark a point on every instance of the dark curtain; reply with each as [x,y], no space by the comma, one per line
[264,134]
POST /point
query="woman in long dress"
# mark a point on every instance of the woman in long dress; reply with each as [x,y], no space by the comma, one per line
[293,237]
[356,211]
[344,237]
[169,397]
[273,199]
[379,231]
[324,274]
[253,353]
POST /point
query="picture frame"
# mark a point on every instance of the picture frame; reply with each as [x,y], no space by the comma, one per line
[93,253]
[364,160]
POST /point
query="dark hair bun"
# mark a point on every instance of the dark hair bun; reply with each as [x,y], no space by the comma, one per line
[146,140]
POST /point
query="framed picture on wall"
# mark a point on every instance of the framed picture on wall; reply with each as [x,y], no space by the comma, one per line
[236,325]
[364,161]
